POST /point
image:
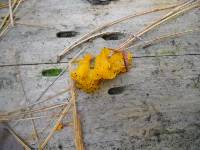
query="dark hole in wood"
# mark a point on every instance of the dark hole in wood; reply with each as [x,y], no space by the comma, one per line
[51,72]
[100,2]
[146,46]
[116,90]
[66,34]
[113,36]
[173,42]
[60,146]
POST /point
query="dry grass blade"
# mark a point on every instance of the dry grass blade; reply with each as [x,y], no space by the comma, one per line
[62,115]
[11,13]
[37,117]
[80,136]
[28,112]
[32,24]
[76,120]
[6,18]
[2,32]
[6,21]
[161,38]
[50,97]
[98,29]
[177,11]
[31,118]
[27,102]
[19,139]
[24,109]
[3,5]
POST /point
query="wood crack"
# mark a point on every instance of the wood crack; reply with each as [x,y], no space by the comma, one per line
[65,62]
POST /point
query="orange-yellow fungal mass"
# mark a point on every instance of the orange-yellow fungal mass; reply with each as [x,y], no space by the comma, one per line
[107,65]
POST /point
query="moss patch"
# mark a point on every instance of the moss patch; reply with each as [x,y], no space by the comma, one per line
[51,72]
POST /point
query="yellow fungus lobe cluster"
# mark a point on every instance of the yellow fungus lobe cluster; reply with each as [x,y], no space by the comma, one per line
[107,65]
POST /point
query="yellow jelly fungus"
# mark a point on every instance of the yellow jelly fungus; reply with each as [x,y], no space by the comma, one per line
[107,65]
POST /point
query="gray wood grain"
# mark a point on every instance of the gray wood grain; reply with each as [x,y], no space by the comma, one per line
[156,105]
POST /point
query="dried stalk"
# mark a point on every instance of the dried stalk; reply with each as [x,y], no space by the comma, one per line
[3,5]
[98,29]
[11,13]
[65,110]
[5,22]
[7,16]
[2,32]
[50,97]
[21,114]
[32,25]
[76,120]
[27,102]
[167,17]
[80,136]
[31,118]
[63,114]
[34,118]
[19,139]
[31,105]
[161,38]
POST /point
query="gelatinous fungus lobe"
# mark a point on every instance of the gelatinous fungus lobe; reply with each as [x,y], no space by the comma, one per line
[107,65]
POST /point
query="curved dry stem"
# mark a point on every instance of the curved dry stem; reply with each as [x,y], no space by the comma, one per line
[98,29]
[162,38]
[174,13]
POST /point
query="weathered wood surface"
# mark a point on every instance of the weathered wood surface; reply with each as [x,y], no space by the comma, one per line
[156,105]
